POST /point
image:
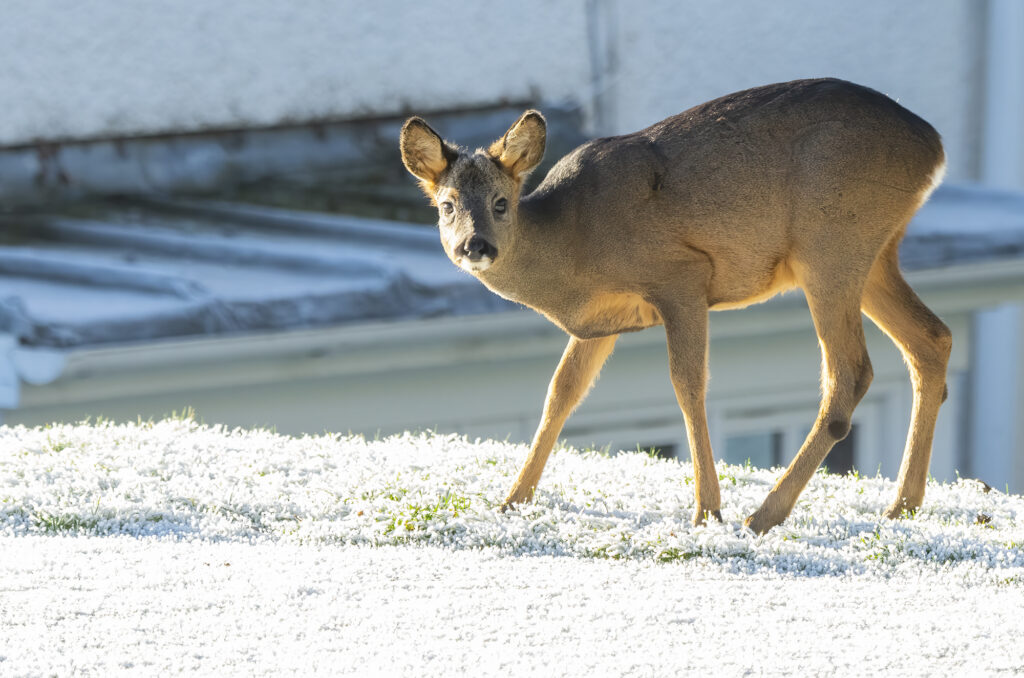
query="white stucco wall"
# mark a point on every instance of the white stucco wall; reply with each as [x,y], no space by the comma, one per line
[926,54]
[95,68]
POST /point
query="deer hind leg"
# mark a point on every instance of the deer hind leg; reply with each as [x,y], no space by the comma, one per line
[579,366]
[846,375]
[925,343]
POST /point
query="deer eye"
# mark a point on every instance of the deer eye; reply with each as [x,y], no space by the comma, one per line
[500,206]
[447,208]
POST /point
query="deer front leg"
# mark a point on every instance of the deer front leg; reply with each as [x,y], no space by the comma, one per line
[686,326]
[574,376]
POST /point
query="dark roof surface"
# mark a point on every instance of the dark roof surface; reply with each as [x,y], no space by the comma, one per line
[962,224]
[136,272]
[146,270]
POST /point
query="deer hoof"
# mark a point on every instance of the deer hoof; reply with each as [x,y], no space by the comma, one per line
[516,497]
[510,505]
[760,522]
[900,509]
[701,515]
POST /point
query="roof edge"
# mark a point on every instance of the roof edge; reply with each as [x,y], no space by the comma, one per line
[415,343]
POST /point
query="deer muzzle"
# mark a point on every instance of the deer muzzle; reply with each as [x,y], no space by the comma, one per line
[477,254]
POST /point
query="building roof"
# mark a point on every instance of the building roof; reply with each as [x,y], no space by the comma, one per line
[135,272]
[964,224]
[145,270]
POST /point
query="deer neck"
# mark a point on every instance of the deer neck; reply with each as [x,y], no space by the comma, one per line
[538,269]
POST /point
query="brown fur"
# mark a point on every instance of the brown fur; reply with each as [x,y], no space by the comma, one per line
[804,184]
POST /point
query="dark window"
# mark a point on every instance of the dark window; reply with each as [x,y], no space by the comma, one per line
[842,458]
[763,450]
[662,451]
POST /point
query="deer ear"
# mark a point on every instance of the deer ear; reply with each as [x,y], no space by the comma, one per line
[424,154]
[522,147]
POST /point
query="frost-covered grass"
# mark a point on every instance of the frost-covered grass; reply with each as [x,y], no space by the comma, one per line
[180,480]
[173,548]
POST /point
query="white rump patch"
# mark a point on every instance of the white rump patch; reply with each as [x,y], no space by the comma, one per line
[937,176]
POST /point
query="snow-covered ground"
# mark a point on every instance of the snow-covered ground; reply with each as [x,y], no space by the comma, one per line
[161,548]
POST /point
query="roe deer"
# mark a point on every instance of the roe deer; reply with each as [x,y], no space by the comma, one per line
[804,184]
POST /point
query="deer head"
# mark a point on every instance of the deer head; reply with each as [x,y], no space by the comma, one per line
[476,193]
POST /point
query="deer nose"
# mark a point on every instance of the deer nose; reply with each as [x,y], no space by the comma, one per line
[476,248]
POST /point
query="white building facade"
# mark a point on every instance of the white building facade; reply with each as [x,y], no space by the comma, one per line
[96,69]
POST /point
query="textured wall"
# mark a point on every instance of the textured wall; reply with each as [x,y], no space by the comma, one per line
[87,68]
[924,53]
[95,68]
